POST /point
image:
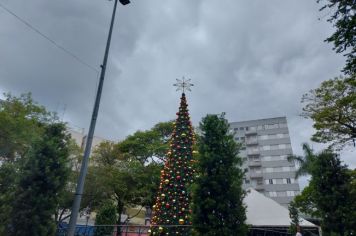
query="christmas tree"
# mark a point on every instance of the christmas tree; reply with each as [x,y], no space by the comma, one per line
[171,214]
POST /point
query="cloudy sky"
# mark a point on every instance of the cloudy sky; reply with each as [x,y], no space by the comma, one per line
[250,59]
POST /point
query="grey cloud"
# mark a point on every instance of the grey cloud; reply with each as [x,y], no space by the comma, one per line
[250,59]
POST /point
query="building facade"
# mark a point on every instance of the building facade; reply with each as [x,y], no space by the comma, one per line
[80,138]
[265,147]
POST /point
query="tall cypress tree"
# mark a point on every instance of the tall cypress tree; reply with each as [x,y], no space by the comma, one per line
[42,179]
[171,211]
[218,207]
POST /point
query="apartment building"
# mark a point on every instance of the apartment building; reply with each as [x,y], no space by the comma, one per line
[265,147]
[80,138]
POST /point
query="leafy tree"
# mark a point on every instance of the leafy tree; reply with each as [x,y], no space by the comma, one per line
[294,215]
[332,107]
[149,179]
[106,216]
[218,207]
[150,145]
[21,122]
[305,202]
[125,181]
[344,38]
[305,162]
[66,197]
[8,178]
[106,154]
[332,195]
[42,176]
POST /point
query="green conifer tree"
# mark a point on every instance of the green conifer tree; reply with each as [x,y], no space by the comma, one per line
[218,207]
[42,179]
[171,211]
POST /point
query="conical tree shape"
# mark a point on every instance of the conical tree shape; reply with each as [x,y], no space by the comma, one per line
[171,212]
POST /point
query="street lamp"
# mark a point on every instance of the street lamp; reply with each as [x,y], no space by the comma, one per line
[84,167]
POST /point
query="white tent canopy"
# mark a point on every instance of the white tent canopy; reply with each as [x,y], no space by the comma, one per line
[263,211]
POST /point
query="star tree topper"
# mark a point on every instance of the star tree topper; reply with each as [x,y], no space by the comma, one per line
[183,84]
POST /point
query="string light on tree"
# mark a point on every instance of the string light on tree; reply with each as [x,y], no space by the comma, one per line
[171,215]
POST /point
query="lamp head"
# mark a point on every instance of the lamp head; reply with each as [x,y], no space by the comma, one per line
[124,2]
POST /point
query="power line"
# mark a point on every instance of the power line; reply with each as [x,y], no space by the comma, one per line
[48,38]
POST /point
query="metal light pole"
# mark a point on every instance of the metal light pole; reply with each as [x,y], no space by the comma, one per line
[84,167]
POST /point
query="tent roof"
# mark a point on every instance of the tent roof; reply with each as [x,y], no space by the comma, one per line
[263,211]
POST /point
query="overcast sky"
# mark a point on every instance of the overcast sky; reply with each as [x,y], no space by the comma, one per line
[251,59]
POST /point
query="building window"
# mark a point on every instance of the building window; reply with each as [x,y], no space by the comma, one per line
[270,181]
[290,193]
[288,181]
[241,128]
[282,125]
[247,181]
[246,128]
[237,138]
[282,194]
[273,194]
[266,147]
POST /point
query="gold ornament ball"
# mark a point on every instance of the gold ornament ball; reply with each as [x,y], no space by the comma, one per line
[160,229]
[166,181]
[181,221]
[163,195]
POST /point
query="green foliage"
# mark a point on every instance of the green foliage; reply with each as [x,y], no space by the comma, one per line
[42,176]
[21,122]
[106,154]
[218,207]
[332,194]
[294,215]
[105,216]
[344,38]
[8,174]
[148,145]
[332,107]
[305,202]
[127,182]
[305,162]
[27,134]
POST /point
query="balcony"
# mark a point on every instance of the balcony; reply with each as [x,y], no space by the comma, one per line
[255,175]
[250,142]
[253,152]
[251,132]
[259,187]
[254,163]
